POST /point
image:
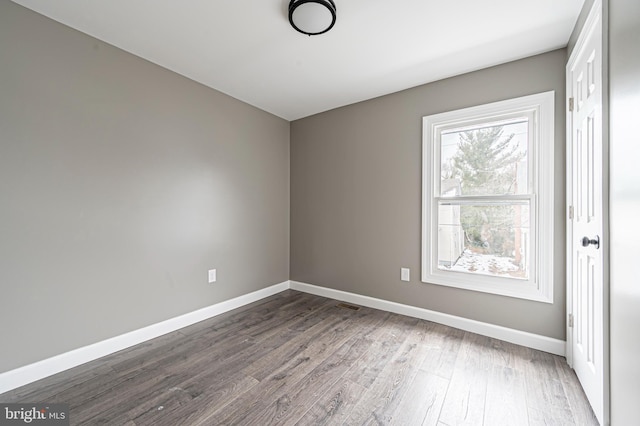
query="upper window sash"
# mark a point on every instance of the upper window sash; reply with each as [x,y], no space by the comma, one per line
[497,118]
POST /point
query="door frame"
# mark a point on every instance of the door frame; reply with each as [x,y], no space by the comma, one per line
[598,12]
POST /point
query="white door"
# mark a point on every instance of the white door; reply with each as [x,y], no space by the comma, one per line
[585,226]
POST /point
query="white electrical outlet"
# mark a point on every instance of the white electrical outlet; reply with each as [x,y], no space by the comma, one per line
[212,275]
[404,274]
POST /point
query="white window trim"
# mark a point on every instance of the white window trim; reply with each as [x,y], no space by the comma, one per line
[541,152]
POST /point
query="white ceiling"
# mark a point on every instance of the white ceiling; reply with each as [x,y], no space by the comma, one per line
[247,49]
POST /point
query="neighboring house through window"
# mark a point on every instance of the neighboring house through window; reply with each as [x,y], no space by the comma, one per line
[488,198]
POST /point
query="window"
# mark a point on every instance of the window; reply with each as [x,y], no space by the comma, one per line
[487,198]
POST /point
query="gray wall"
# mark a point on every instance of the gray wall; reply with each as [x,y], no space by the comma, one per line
[356,195]
[121,184]
[582,18]
[624,102]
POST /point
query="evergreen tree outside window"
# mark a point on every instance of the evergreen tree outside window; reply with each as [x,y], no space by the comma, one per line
[487,200]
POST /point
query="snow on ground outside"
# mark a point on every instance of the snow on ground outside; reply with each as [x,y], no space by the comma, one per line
[486,264]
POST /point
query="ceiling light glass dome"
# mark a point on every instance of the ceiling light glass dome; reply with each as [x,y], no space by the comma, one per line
[312,17]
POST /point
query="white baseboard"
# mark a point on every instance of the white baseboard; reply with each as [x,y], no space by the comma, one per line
[39,370]
[518,337]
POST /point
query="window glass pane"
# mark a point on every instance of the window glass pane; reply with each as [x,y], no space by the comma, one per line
[486,159]
[488,239]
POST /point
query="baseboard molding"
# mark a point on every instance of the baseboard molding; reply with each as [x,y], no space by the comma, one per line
[518,337]
[39,370]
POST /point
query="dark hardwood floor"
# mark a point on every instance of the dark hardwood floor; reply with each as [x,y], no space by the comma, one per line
[298,359]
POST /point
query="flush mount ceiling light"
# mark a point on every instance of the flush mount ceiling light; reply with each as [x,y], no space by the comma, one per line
[312,17]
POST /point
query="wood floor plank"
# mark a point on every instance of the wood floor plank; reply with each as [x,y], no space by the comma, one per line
[142,349]
[210,356]
[422,401]
[318,340]
[207,375]
[306,317]
[506,401]
[214,339]
[581,411]
[508,355]
[308,320]
[464,403]
[388,338]
[96,388]
[110,406]
[293,401]
[283,304]
[335,405]
[546,399]
[284,375]
[211,333]
[178,348]
[275,377]
[388,390]
[443,345]
[551,416]
[177,406]
[45,389]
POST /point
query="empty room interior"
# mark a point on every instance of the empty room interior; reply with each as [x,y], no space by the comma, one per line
[304,212]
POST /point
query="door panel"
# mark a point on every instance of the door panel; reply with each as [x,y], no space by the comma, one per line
[585,186]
